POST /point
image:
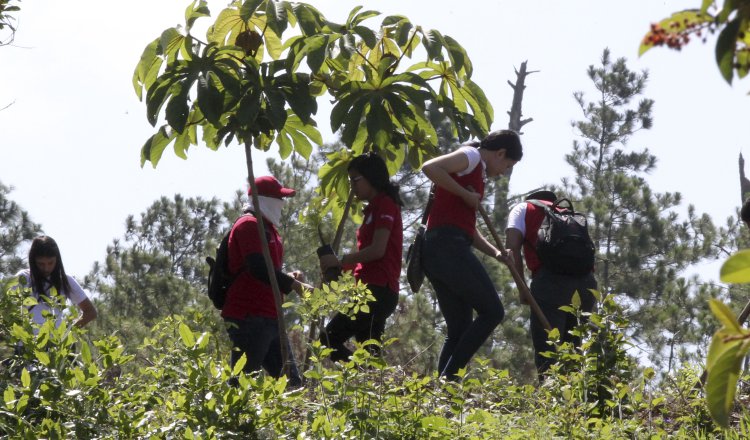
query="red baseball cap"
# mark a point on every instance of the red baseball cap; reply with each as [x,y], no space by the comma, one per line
[268,186]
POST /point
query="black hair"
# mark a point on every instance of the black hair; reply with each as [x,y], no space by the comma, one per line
[507,140]
[372,167]
[745,212]
[45,246]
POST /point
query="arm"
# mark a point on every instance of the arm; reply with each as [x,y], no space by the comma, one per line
[439,170]
[88,313]
[514,241]
[256,266]
[484,246]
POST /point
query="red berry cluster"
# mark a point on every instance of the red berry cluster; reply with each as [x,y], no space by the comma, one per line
[677,35]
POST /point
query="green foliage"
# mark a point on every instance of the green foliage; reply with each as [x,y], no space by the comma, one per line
[344,295]
[731,20]
[596,373]
[729,345]
[65,385]
[737,268]
[245,82]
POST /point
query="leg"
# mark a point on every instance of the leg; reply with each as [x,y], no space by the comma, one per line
[372,325]
[557,319]
[249,337]
[336,333]
[551,291]
[480,295]
[272,362]
[458,317]
[461,285]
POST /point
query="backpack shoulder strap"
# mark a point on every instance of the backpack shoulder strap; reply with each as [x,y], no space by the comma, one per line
[540,204]
[559,204]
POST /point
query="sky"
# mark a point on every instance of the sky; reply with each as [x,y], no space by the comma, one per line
[70,140]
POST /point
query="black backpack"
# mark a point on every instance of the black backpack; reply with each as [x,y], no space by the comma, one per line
[219,277]
[564,245]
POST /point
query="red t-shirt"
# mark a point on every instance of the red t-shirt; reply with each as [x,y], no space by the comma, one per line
[381,213]
[248,295]
[449,209]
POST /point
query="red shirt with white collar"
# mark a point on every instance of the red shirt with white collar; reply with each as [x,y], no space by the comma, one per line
[449,209]
[381,213]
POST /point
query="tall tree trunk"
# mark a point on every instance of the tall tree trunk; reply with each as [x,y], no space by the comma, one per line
[316,327]
[516,121]
[283,338]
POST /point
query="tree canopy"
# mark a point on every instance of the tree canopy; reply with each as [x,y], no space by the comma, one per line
[258,73]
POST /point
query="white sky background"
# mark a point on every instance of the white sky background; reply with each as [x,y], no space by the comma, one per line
[70,143]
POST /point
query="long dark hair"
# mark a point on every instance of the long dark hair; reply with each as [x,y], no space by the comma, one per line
[44,246]
[507,140]
[372,167]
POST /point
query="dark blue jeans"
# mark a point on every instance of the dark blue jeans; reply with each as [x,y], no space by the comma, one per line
[363,327]
[462,287]
[258,339]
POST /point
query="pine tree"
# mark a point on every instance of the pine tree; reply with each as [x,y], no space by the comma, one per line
[157,268]
[643,245]
[16,228]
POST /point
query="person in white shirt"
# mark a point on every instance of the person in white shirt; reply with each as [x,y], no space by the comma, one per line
[47,279]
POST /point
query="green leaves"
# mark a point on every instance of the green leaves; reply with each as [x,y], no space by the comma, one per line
[736,269]
[224,90]
[234,85]
[296,136]
[728,347]
[187,335]
[210,99]
[194,11]
[726,46]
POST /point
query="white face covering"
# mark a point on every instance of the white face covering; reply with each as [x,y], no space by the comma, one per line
[270,208]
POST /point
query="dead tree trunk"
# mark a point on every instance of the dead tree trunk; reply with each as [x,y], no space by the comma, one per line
[744,182]
[515,123]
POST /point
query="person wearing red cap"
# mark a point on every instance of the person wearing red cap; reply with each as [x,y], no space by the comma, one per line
[377,260]
[250,309]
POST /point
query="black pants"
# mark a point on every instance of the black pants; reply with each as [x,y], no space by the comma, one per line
[363,327]
[258,339]
[462,287]
[551,291]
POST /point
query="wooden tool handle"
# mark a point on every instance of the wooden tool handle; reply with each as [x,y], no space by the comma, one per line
[520,281]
